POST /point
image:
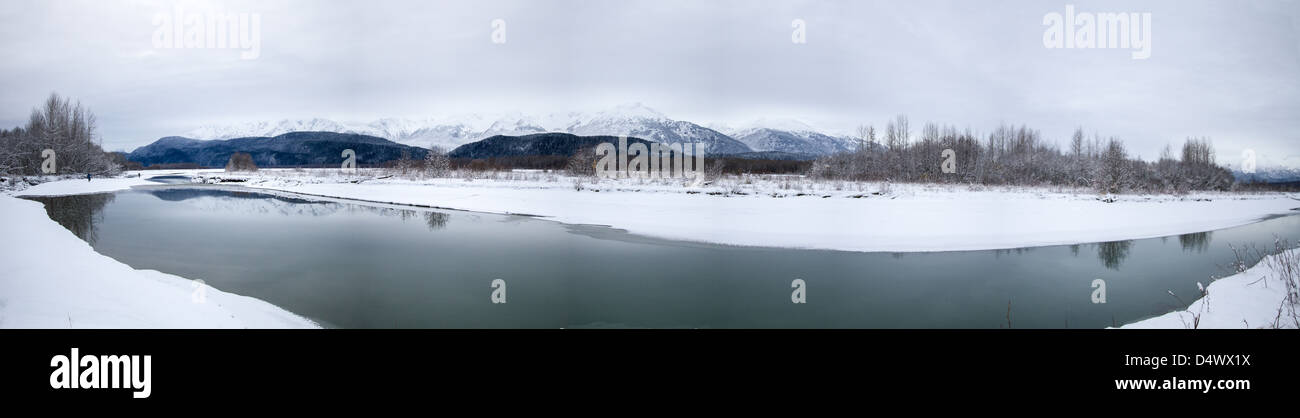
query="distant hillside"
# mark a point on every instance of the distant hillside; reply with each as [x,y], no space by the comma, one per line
[287,150]
[554,144]
[774,155]
[635,120]
[800,142]
[1273,175]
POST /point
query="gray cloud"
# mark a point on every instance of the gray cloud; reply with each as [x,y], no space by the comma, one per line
[1222,69]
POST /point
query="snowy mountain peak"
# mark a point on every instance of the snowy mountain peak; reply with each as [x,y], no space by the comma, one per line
[632,119]
[634,110]
[780,124]
[265,128]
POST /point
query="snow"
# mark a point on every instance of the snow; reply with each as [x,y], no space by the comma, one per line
[776,211]
[790,125]
[55,280]
[81,186]
[1250,299]
[453,130]
[52,279]
[267,128]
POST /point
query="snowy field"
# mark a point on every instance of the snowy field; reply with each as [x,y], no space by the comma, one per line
[52,279]
[793,212]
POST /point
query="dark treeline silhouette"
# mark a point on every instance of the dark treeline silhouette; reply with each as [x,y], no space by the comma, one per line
[583,162]
[1019,156]
[732,165]
[65,127]
[1259,186]
[530,162]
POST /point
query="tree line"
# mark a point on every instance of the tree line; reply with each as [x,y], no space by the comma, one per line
[60,125]
[1013,155]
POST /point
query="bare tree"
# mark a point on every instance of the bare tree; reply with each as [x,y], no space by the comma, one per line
[866,137]
[582,162]
[240,161]
[1019,155]
[436,163]
[67,128]
[1113,172]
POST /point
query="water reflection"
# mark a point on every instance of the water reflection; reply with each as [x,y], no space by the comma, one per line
[258,202]
[79,213]
[1012,251]
[436,220]
[178,194]
[1199,241]
[170,179]
[1113,253]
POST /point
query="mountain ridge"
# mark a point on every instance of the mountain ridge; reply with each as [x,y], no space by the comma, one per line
[634,120]
[308,148]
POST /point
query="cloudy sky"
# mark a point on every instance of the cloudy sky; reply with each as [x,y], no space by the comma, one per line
[1229,70]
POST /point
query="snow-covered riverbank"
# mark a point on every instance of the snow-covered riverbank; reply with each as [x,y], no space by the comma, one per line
[1255,298]
[81,186]
[52,279]
[792,212]
[55,280]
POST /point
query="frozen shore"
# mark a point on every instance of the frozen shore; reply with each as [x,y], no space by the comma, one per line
[52,279]
[1255,298]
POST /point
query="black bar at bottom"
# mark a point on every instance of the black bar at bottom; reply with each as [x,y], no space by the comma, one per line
[571,365]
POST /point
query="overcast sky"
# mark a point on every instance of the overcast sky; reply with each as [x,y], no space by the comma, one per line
[1229,70]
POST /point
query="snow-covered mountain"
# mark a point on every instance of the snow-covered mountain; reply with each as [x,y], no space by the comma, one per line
[1268,175]
[267,129]
[639,121]
[635,120]
[414,132]
[788,135]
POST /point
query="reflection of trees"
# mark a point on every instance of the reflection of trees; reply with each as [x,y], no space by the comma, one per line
[433,220]
[78,213]
[1198,241]
[436,220]
[259,202]
[1009,251]
[254,202]
[1114,252]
